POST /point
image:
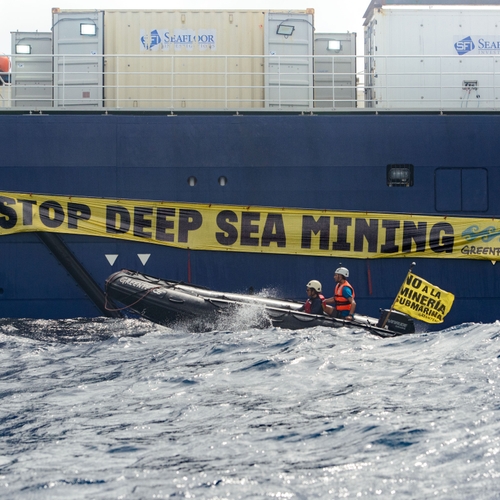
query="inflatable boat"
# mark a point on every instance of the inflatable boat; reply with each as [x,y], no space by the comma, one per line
[167,302]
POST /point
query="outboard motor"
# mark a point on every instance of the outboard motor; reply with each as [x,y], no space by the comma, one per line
[398,322]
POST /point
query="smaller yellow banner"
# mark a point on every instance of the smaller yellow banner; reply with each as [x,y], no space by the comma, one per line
[422,300]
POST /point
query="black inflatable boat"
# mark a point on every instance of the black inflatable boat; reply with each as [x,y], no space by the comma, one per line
[166,302]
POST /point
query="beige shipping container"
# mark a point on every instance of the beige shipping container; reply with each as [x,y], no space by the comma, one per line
[184,59]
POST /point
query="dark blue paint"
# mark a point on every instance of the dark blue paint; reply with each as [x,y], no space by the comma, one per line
[327,161]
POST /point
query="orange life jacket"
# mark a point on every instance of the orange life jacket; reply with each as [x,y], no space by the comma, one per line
[341,303]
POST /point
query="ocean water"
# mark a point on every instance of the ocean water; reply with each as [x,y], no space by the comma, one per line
[126,409]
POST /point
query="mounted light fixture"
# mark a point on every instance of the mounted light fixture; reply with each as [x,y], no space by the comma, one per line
[334,45]
[22,48]
[88,29]
[400,175]
[285,29]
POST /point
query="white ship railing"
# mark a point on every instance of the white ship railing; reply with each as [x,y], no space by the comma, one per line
[239,83]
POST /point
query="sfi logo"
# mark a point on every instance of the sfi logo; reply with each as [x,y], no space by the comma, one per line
[151,41]
[465,45]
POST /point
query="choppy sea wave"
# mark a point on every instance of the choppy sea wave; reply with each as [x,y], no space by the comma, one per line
[104,409]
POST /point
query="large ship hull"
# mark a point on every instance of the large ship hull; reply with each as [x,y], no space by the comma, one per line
[326,162]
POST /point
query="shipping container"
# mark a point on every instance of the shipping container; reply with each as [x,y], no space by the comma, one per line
[184,59]
[434,56]
[334,72]
[78,58]
[31,69]
[289,72]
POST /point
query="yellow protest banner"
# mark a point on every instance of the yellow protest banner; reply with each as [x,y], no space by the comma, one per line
[235,228]
[422,300]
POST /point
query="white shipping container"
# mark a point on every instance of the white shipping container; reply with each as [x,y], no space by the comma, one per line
[78,61]
[334,72]
[31,69]
[184,59]
[432,56]
[288,43]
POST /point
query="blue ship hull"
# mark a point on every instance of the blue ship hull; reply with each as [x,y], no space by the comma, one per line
[328,161]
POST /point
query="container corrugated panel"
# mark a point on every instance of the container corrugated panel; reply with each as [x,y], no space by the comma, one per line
[334,72]
[158,59]
[289,66]
[78,61]
[458,46]
[31,77]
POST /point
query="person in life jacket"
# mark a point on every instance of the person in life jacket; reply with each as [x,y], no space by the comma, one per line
[314,302]
[343,301]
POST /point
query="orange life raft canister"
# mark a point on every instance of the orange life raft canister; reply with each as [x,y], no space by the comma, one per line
[4,64]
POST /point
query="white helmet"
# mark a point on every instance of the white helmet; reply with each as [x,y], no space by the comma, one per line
[315,285]
[343,271]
